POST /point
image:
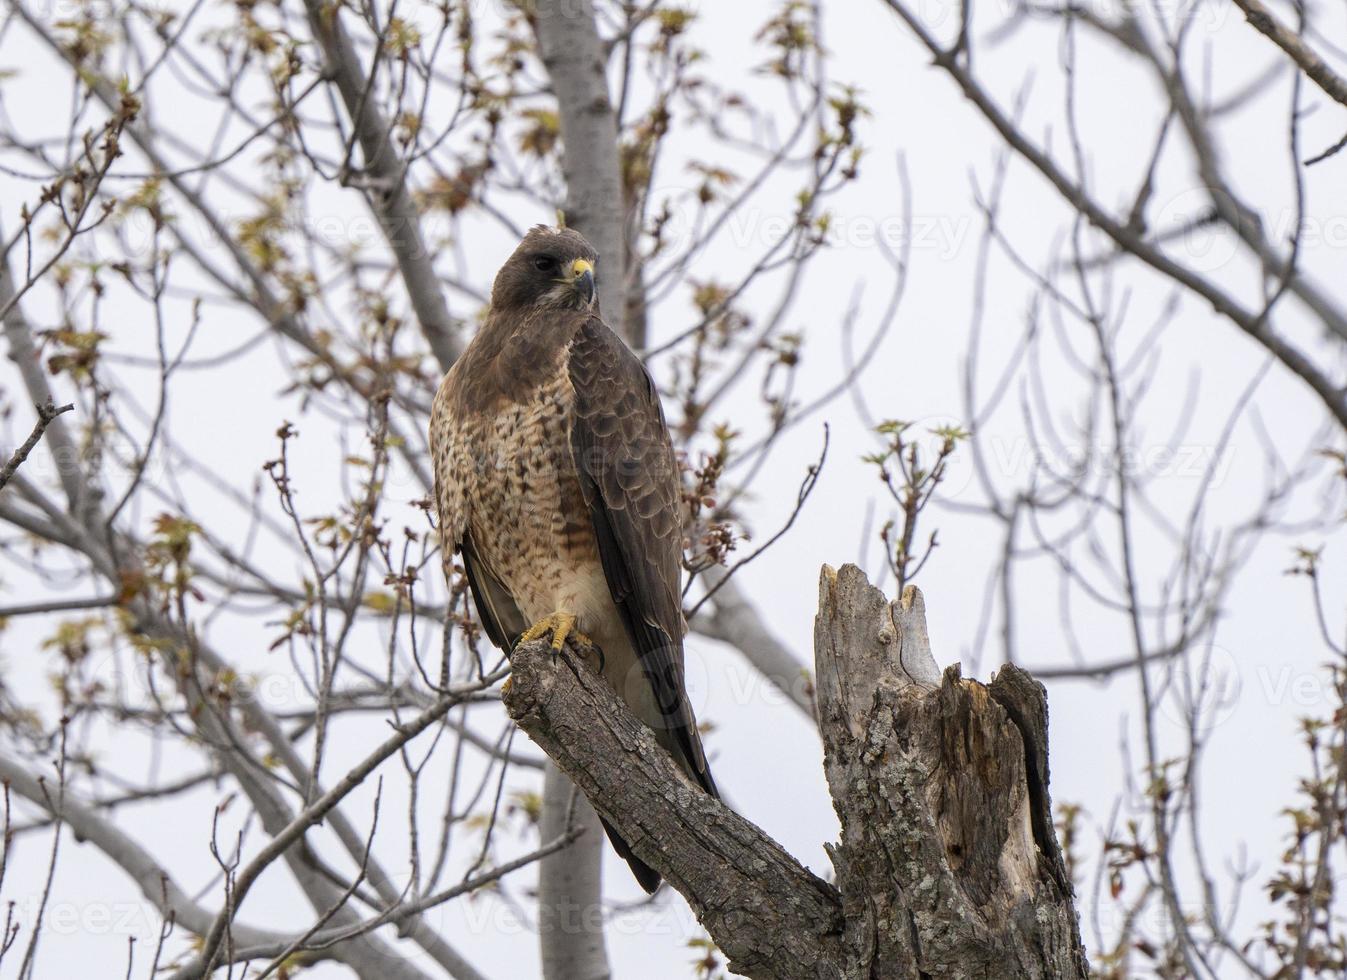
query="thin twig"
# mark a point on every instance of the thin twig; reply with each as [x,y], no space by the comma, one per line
[45,414]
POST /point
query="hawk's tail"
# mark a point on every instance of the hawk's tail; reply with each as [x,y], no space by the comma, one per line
[646,876]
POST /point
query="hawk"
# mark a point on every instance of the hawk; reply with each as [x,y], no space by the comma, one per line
[556,482]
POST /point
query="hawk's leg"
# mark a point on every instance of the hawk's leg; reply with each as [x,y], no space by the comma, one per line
[562,627]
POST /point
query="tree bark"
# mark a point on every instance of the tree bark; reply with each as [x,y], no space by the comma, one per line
[948,864]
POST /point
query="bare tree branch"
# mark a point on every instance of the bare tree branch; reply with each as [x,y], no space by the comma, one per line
[46,414]
[1263,21]
[155,883]
[386,183]
[1255,325]
[768,913]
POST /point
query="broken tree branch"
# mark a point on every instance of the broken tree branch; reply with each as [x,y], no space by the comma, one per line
[948,863]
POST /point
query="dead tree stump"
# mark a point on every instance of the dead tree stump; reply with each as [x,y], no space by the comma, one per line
[948,863]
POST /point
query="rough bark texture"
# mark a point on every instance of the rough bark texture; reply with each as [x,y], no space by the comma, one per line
[768,914]
[948,865]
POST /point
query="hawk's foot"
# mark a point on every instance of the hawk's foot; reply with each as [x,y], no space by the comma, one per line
[562,627]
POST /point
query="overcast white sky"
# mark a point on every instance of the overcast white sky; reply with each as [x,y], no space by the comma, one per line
[766,757]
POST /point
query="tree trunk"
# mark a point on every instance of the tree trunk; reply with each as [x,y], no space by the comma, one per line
[570,886]
[948,863]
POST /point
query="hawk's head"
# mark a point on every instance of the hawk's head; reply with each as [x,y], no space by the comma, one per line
[551,267]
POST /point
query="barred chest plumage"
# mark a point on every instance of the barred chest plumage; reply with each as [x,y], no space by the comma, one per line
[527,515]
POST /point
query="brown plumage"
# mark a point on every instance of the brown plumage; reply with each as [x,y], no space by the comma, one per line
[556,482]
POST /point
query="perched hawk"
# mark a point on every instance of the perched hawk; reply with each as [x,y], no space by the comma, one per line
[556,481]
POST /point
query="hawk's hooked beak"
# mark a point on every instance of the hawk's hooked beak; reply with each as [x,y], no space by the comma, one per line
[582,278]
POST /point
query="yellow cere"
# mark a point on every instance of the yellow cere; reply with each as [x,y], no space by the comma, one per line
[580,266]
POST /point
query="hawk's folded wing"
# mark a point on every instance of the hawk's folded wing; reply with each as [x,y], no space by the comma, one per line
[630,481]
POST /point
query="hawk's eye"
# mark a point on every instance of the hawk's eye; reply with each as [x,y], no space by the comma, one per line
[544,263]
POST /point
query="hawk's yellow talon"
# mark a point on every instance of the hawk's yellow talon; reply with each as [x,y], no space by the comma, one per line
[561,626]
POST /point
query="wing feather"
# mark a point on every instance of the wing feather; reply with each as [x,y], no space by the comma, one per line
[629,478]
[496,608]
